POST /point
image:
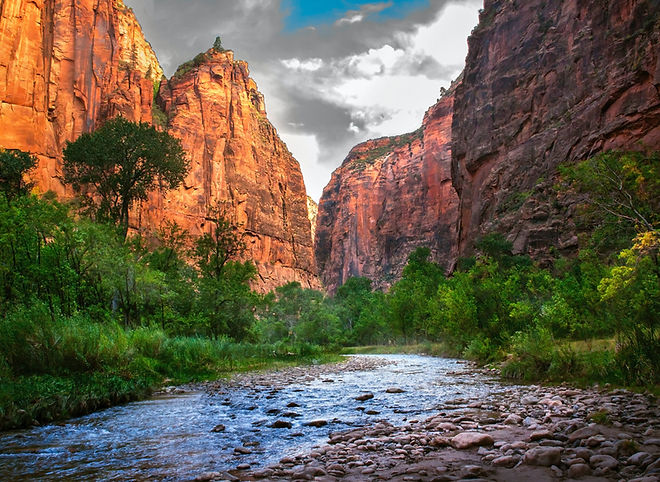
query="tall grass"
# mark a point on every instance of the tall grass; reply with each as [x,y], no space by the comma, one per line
[56,367]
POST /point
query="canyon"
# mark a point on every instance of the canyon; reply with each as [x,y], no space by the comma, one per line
[67,67]
[544,83]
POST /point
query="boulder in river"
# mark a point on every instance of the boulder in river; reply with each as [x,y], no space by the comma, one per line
[280,424]
[364,397]
[317,423]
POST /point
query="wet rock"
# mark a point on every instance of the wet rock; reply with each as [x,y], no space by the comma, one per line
[218,428]
[364,397]
[243,467]
[394,390]
[208,476]
[529,400]
[640,458]
[242,451]
[471,439]
[292,405]
[539,435]
[317,423]
[291,414]
[584,433]
[543,456]
[280,424]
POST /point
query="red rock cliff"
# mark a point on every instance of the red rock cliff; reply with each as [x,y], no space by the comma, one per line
[390,196]
[544,83]
[64,68]
[67,66]
[239,161]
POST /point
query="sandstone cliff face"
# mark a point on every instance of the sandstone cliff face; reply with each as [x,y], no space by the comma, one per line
[238,162]
[313,212]
[545,83]
[64,68]
[390,196]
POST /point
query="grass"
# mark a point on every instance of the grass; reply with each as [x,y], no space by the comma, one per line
[427,348]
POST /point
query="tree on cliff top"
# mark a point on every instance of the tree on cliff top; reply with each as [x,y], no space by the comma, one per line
[119,164]
[14,165]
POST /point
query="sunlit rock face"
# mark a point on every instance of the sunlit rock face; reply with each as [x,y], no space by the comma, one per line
[239,163]
[66,67]
[390,196]
[546,83]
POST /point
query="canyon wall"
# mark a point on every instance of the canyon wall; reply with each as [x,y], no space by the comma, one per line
[546,83]
[65,67]
[238,163]
[390,196]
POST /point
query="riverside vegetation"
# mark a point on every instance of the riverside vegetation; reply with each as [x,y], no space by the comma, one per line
[92,317]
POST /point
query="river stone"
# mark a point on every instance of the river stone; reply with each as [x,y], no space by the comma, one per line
[364,397]
[513,419]
[529,400]
[576,471]
[292,405]
[603,462]
[539,435]
[280,424]
[394,390]
[466,440]
[638,459]
[242,451]
[505,461]
[584,432]
[317,423]
[243,467]
[543,456]
[218,428]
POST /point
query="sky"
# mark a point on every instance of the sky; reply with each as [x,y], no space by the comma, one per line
[334,73]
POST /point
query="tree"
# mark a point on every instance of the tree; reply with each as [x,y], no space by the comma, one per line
[14,164]
[621,194]
[120,163]
[226,301]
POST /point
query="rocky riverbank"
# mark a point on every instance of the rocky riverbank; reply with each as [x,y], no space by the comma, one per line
[514,433]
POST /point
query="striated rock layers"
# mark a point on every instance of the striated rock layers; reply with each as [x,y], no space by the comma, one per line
[390,196]
[65,67]
[239,163]
[545,83]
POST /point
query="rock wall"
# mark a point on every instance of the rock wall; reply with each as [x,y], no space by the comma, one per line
[390,196]
[64,68]
[238,162]
[544,83]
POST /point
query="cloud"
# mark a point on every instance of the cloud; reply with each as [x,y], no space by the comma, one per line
[355,16]
[367,75]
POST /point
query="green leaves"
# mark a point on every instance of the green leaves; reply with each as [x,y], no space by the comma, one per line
[14,165]
[119,164]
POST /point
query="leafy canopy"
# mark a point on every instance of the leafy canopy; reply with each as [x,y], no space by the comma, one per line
[14,165]
[120,163]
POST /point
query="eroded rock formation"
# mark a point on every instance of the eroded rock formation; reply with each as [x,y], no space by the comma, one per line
[546,83]
[65,67]
[239,163]
[390,196]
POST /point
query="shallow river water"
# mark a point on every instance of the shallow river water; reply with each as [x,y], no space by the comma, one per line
[170,437]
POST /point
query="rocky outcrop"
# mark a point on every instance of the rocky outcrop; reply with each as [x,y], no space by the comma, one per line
[546,83]
[64,68]
[238,163]
[390,196]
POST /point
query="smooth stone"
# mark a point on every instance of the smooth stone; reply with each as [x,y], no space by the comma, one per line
[584,432]
[394,390]
[638,459]
[513,419]
[366,396]
[317,423]
[218,428]
[505,461]
[280,424]
[543,456]
[471,439]
[243,467]
[576,471]
[242,451]
[603,462]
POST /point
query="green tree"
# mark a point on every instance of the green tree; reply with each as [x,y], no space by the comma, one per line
[226,302]
[14,165]
[119,164]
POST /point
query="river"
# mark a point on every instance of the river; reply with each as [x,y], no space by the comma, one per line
[170,437]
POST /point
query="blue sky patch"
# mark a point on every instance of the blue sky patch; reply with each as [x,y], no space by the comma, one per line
[306,13]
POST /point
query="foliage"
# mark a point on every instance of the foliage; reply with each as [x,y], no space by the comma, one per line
[119,164]
[14,165]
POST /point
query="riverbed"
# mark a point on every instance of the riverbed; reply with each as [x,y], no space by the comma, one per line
[222,426]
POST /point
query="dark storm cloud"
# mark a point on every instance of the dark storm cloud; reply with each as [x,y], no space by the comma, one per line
[255,30]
